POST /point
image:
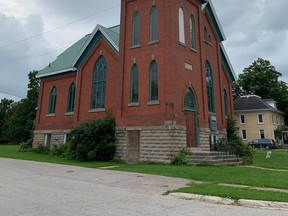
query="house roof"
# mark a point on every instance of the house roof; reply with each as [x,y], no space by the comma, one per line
[67,60]
[250,103]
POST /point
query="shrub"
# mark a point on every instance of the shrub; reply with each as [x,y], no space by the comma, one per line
[93,140]
[26,146]
[180,159]
[41,149]
[60,150]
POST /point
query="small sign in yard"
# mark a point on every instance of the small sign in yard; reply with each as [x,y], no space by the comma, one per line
[269,153]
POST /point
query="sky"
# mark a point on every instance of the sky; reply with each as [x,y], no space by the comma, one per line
[33,33]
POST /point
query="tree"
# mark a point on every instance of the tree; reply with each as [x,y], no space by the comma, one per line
[19,123]
[5,107]
[262,79]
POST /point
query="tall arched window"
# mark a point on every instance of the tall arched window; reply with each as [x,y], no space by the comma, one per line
[134,84]
[192,32]
[226,104]
[205,34]
[153,24]
[153,81]
[190,103]
[181,26]
[136,29]
[71,98]
[52,101]
[209,83]
[99,84]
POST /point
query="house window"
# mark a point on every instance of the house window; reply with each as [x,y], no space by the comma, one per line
[134,84]
[181,26]
[99,84]
[226,104]
[273,119]
[205,34]
[192,32]
[153,82]
[260,119]
[209,83]
[242,119]
[47,141]
[52,101]
[136,29]
[71,98]
[244,135]
[154,24]
[262,134]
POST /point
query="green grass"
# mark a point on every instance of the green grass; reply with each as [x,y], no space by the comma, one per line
[234,193]
[11,151]
[278,160]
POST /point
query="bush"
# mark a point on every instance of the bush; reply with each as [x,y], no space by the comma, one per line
[93,140]
[26,146]
[60,150]
[41,149]
[180,159]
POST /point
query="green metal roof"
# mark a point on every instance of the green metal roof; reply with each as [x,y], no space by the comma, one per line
[70,58]
[64,60]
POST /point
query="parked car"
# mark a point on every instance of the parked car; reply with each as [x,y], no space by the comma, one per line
[263,143]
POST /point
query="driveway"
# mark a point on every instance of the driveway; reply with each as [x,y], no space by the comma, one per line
[41,189]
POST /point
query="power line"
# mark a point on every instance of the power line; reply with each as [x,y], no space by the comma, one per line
[11,94]
[40,34]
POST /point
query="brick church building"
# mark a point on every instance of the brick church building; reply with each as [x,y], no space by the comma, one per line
[163,73]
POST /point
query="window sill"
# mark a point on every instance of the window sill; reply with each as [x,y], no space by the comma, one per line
[154,102]
[182,44]
[133,104]
[193,49]
[50,115]
[135,46]
[207,42]
[97,110]
[69,113]
[153,42]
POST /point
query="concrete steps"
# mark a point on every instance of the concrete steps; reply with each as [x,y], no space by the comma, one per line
[213,158]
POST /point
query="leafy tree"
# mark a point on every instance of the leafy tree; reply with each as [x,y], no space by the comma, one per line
[19,123]
[262,79]
[5,107]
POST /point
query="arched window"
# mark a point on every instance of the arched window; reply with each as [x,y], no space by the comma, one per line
[52,101]
[71,98]
[134,84]
[153,81]
[136,29]
[181,26]
[154,24]
[226,104]
[192,32]
[189,102]
[99,84]
[205,34]
[209,83]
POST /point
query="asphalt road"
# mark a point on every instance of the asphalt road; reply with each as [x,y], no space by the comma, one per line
[40,189]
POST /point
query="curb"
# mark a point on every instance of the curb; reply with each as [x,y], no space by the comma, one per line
[229,201]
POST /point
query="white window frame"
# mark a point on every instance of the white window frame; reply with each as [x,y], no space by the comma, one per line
[260,133]
[259,119]
[240,120]
[243,133]
[47,141]
[181,26]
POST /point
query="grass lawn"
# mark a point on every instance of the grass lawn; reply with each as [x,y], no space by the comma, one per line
[210,175]
[278,160]
[11,151]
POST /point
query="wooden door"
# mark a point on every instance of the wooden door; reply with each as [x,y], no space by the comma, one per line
[133,152]
[191,132]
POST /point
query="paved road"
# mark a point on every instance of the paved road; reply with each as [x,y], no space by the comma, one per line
[40,189]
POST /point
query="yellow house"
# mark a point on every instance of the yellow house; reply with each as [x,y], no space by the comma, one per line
[257,118]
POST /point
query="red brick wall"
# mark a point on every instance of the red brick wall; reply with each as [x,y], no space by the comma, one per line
[59,120]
